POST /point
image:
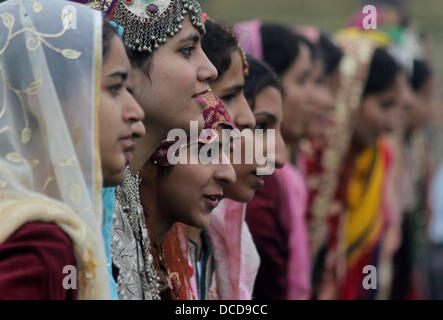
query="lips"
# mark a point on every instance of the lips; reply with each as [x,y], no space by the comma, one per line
[259,181]
[213,200]
[200,98]
[128,148]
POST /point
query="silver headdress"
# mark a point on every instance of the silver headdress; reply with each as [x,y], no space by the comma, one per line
[148,23]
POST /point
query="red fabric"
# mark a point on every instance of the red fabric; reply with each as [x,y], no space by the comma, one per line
[32,261]
[271,240]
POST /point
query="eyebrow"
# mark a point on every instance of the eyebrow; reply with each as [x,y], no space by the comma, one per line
[119,74]
[193,37]
[306,73]
[266,114]
[234,88]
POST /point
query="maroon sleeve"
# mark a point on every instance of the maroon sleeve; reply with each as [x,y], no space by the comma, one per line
[271,242]
[32,261]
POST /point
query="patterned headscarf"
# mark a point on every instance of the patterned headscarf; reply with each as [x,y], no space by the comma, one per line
[49,152]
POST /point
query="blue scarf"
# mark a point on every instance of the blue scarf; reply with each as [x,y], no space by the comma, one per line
[108,197]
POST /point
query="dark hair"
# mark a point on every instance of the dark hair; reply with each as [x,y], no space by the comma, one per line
[382,74]
[421,72]
[280,46]
[329,53]
[139,59]
[260,77]
[108,33]
[218,44]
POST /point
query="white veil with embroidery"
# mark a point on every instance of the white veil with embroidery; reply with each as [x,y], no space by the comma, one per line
[50,66]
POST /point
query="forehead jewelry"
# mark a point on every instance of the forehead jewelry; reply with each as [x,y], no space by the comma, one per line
[148,23]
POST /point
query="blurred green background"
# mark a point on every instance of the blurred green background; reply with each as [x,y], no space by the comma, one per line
[329,15]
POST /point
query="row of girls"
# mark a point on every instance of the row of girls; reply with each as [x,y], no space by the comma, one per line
[348,215]
[91,207]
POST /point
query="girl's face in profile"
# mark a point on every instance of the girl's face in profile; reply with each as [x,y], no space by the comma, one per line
[295,107]
[268,114]
[120,116]
[189,192]
[379,113]
[170,87]
[321,101]
[229,88]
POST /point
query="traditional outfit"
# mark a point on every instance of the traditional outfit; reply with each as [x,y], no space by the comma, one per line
[276,218]
[50,173]
[230,260]
[350,211]
[143,27]
[288,230]
[147,270]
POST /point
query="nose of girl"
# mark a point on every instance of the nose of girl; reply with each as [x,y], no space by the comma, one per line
[134,114]
[206,72]
[225,173]
[245,118]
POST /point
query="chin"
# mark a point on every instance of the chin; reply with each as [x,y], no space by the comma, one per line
[242,195]
[202,224]
[114,179]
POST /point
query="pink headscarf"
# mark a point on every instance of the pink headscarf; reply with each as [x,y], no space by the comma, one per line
[236,257]
[292,216]
[248,34]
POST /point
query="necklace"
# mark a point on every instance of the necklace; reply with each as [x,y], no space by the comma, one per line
[127,194]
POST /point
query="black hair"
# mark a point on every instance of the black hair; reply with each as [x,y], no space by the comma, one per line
[313,51]
[382,74]
[260,77]
[329,53]
[218,44]
[139,59]
[280,46]
[108,33]
[421,73]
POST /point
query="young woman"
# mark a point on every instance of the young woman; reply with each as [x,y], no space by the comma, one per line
[223,257]
[50,169]
[291,58]
[171,71]
[350,212]
[225,53]
[276,213]
[413,191]
[166,197]
[322,84]
[171,75]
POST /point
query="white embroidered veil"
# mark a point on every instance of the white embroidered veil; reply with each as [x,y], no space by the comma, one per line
[50,66]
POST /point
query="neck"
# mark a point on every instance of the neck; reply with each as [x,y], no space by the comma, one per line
[159,227]
[145,148]
[358,146]
[195,235]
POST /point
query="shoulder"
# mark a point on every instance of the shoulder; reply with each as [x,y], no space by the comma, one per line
[32,261]
[41,232]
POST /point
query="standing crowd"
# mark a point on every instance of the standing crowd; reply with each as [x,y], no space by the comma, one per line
[99,199]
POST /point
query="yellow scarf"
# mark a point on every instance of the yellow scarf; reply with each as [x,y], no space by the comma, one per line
[363,220]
